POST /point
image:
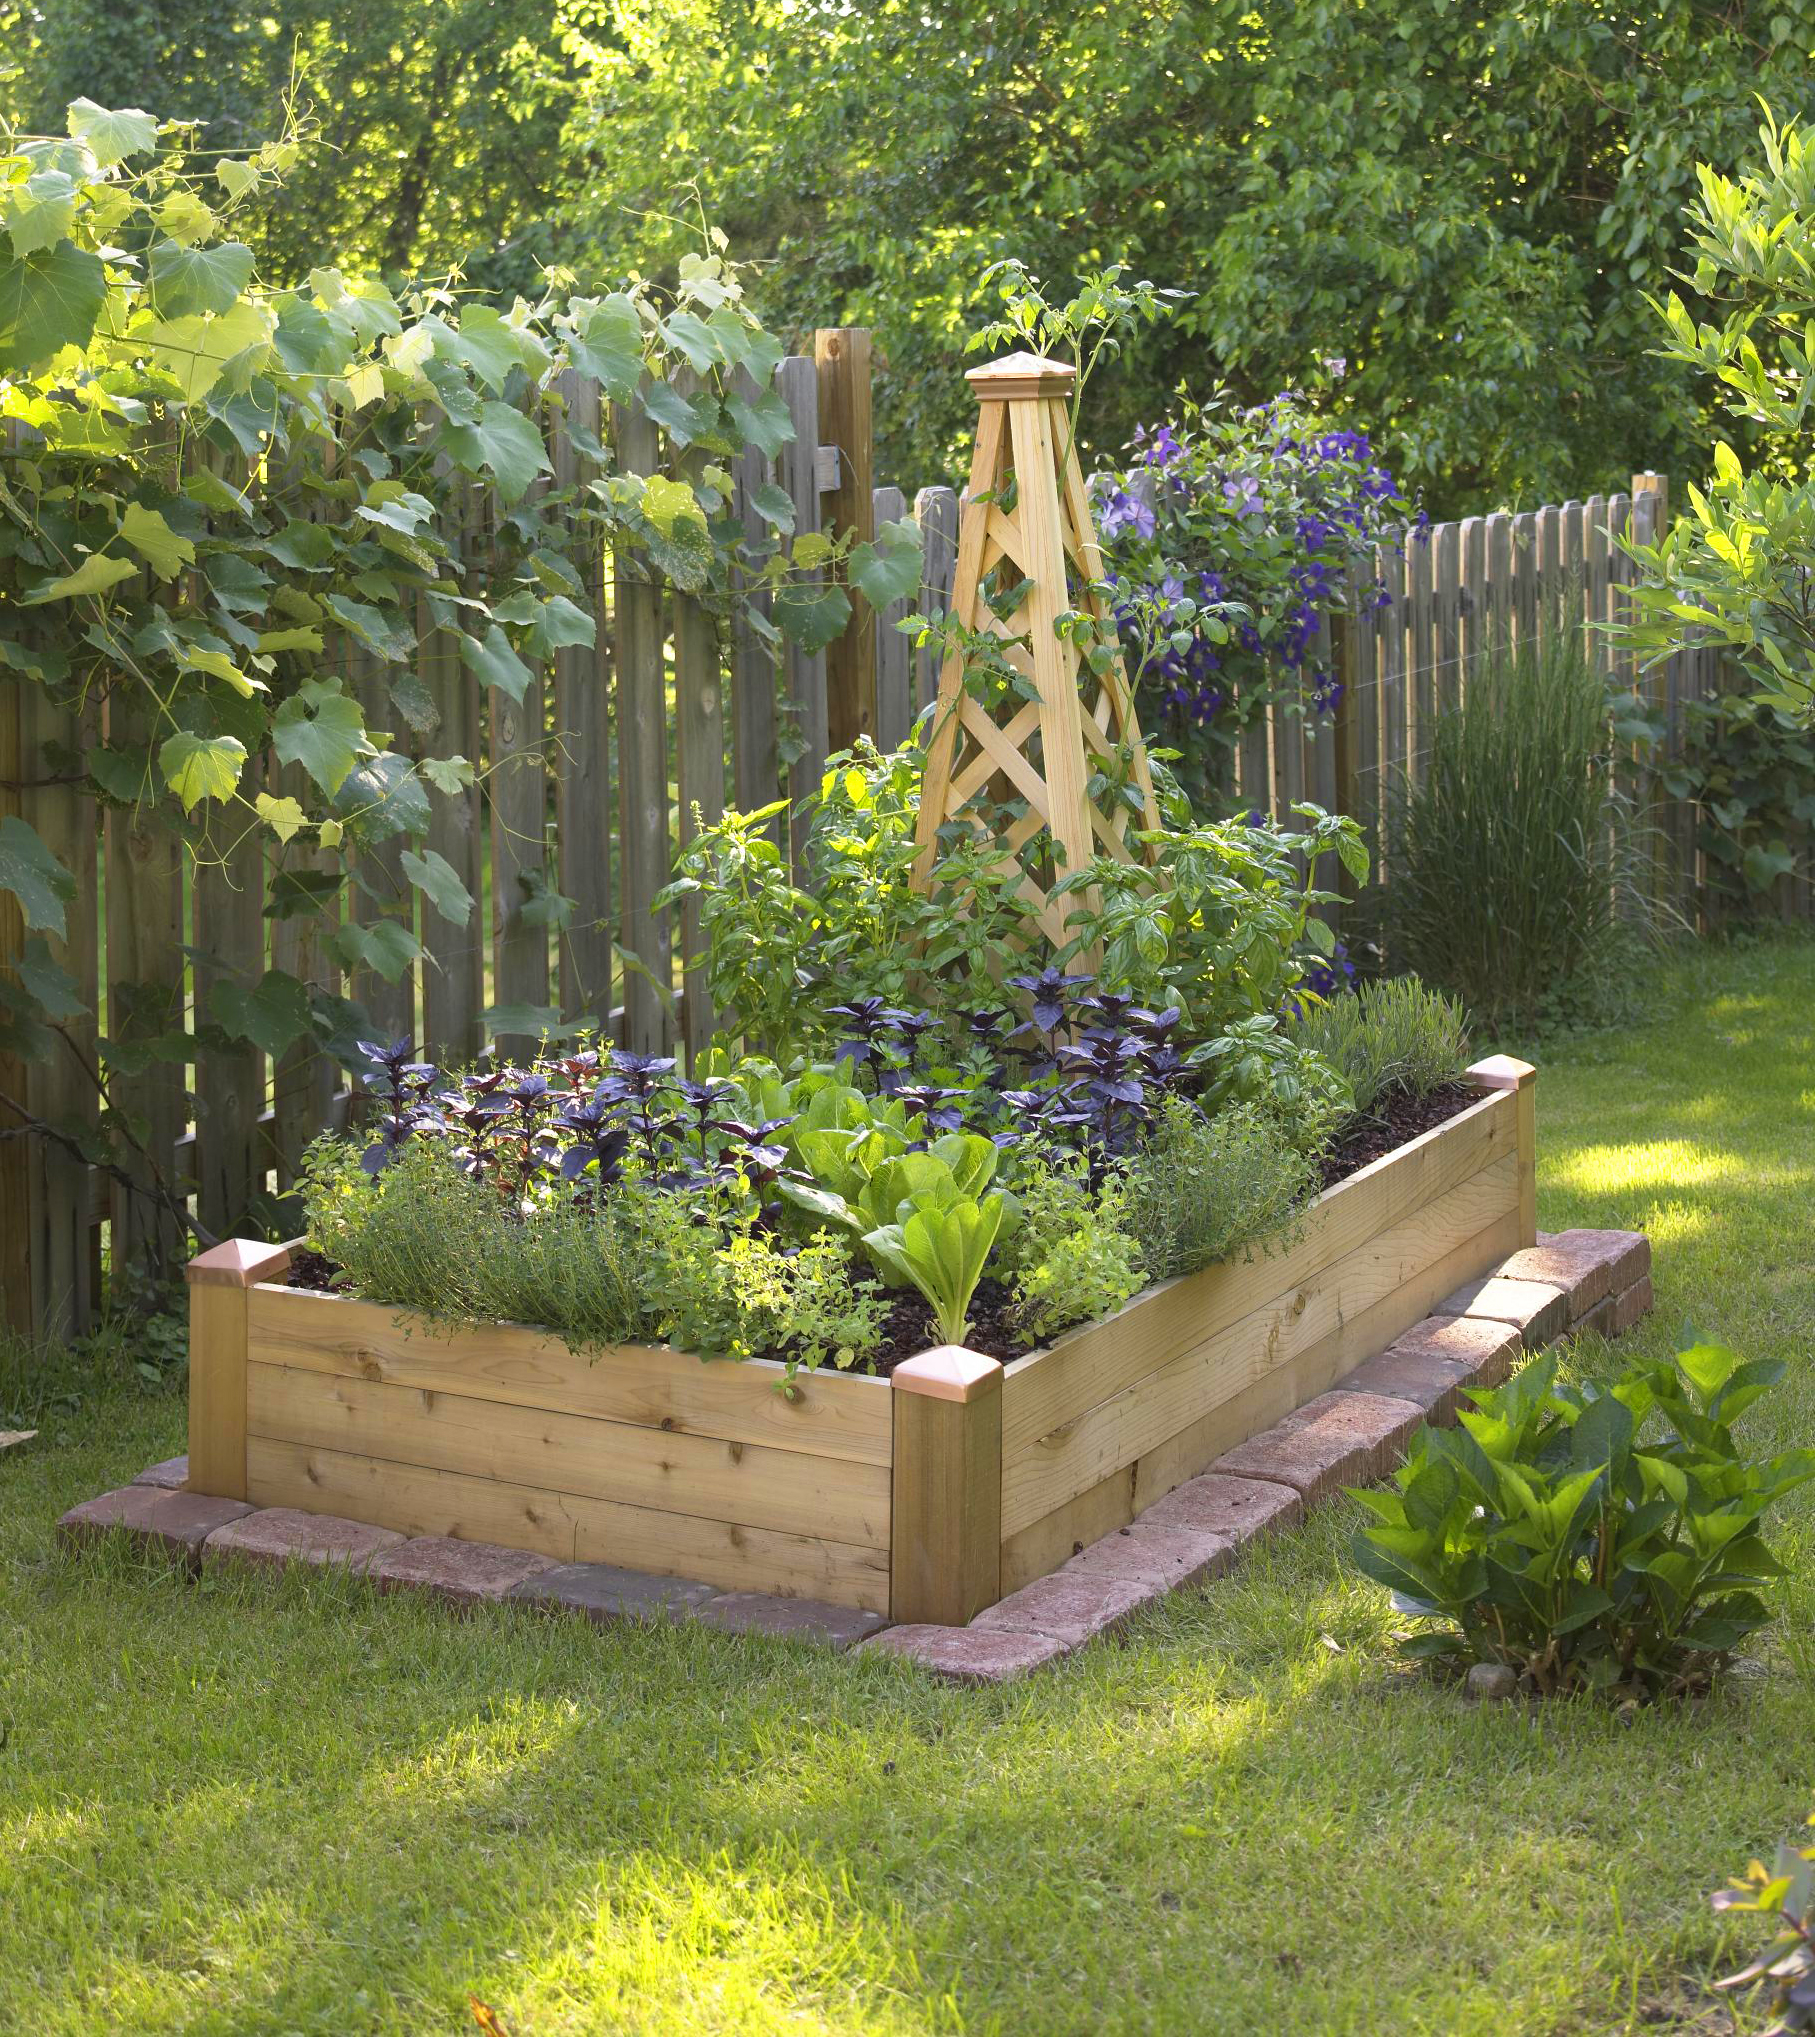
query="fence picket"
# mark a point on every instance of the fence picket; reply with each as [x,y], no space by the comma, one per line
[304,1079]
[145,996]
[1497,631]
[804,673]
[642,765]
[1421,706]
[1394,640]
[519,800]
[894,654]
[1361,684]
[453,965]
[755,760]
[229,896]
[59,1089]
[700,740]
[378,880]
[937,512]
[1471,599]
[582,738]
[1446,545]
[1525,574]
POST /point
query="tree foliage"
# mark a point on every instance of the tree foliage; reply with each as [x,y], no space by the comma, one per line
[1465,203]
[1737,571]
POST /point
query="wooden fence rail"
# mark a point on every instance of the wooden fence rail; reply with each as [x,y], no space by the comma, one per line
[586,787]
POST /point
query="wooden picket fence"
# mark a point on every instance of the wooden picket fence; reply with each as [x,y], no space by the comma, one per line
[587,787]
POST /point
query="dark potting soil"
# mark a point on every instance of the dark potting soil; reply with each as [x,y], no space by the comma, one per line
[313,1270]
[909,1328]
[1395,1120]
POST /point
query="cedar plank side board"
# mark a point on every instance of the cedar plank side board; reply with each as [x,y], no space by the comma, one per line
[827,1487]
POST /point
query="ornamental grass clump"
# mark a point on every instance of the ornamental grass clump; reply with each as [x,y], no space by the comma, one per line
[1594,1538]
[1518,877]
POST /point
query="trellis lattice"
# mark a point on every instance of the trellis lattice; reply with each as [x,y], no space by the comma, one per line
[1020,768]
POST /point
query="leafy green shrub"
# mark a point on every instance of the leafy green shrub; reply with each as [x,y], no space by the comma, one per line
[1392,1035]
[1551,1534]
[1073,1257]
[1204,1188]
[1515,869]
[1783,1892]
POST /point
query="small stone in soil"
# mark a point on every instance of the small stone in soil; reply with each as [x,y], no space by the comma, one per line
[1491,1682]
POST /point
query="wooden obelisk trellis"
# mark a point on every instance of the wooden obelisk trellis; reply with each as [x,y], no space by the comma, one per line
[1026,517]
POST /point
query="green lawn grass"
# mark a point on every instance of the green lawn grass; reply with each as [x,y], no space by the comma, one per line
[226,1809]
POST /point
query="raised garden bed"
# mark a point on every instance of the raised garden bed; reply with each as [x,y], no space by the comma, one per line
[926,1496]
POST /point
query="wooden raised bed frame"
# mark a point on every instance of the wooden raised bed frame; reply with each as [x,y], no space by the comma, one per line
[926,1496]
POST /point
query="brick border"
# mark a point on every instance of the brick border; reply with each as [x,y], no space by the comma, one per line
[1567,1284]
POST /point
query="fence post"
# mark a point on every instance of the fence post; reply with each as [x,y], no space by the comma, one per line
[936,509]
[842,356]
[1345,630]
[945,1528]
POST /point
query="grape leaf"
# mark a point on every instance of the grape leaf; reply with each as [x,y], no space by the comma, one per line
[681,420]
[195,350]
[112,136]
[609,346]
[888,570]
[495,662]
[186,280]
[439,882]
[502,439]
[95,575]
[48,301]
[53,988]
[165,551]
[448,774]
[376,630]
[810,616]
[386,945]
[323,731]
[34,876]
[282,816]
[201,767]
[775,506]
[764,424]
[383,796]
[38,213]
[273,1014]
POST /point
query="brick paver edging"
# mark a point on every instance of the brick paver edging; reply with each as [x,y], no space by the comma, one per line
[1356,1433]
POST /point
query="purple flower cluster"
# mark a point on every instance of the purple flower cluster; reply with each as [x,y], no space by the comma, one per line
[1231,538]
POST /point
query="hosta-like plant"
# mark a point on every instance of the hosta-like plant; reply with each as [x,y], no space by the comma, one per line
[1781,1891]
[1591,1537]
